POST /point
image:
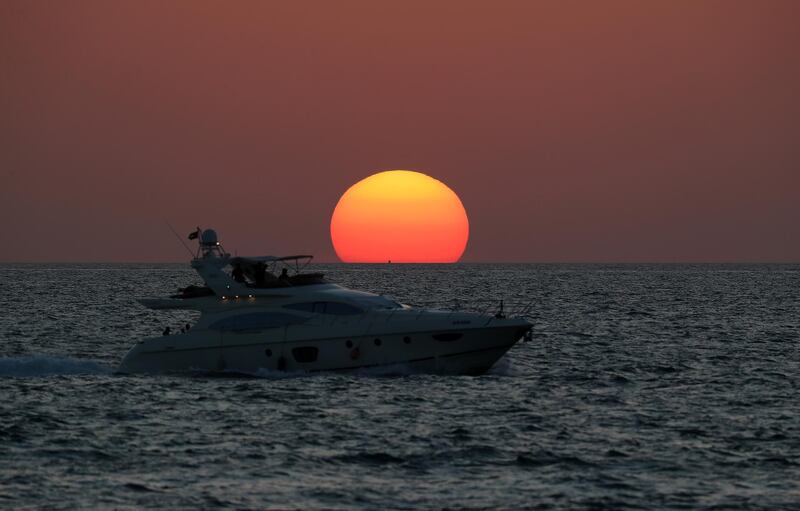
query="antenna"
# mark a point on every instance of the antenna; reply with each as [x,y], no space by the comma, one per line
[179,238]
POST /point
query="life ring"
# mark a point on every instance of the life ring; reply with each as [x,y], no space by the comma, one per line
[355,353]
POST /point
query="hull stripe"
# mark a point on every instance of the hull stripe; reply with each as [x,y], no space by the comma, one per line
[504,347]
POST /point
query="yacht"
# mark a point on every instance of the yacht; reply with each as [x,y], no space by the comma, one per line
[252,320]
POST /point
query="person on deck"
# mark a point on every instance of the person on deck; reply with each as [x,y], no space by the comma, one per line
[261,274]
[284,275]
[238,273]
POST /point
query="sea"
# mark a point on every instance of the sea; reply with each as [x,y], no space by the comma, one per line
[643,387]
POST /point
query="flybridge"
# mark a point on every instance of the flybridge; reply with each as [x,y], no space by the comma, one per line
[248,274]
[209,247]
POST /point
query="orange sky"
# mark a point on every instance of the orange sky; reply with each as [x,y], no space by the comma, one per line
[572,131]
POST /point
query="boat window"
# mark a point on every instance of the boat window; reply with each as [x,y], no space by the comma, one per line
[336,308]
[306,354]
[305,307]
[342,309]
[448,337]
[256,321]
[377,302]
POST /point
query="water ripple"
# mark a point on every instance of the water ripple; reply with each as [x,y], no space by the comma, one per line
[664,386]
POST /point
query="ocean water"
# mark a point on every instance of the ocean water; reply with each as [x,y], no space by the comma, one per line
[644,386]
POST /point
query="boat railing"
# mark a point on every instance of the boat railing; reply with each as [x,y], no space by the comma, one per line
[499,309]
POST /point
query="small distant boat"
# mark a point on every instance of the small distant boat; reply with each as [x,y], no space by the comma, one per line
[253,319]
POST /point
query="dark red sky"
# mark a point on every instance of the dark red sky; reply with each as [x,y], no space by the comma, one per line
[572,131]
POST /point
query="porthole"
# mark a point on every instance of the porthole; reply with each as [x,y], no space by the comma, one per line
[407,340]
[349,344]
[377,342]
[268,352]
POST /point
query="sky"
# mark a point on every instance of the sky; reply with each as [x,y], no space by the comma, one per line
[572,131]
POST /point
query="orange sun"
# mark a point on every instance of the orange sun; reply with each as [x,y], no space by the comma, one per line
[399,216]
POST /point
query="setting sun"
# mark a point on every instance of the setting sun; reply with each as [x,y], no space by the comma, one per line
[400,216]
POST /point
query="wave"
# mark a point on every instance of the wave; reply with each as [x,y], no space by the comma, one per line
[504,367]
[44,365]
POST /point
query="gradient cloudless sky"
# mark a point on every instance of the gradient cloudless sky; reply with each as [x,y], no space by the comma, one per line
[571,130]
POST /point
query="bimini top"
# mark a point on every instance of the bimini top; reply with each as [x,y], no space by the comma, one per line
[247,272]
[268,259]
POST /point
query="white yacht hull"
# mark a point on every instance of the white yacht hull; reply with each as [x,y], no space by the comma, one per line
[454,351]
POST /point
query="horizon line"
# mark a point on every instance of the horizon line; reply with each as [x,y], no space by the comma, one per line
[782,262]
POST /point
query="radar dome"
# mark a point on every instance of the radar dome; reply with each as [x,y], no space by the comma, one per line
[209,237]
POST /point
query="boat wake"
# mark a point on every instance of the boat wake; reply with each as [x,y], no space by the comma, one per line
[504,367]
[45,365]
